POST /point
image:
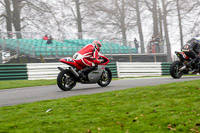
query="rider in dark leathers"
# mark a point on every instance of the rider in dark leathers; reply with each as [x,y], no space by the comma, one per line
[192,49]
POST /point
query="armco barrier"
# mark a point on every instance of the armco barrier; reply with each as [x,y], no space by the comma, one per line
[50,71]
[38,71]
[35,71]
[137,69]
[112,66]
[13,72]
[165,68]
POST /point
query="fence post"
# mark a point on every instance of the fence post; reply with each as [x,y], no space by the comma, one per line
[56,51]
[130,53]
[17,47]
[117,66]
[155,59]
[33,48]
[4,43]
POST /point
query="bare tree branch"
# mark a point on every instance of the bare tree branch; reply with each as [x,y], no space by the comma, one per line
[2,15]
[37,7]
[2,3]
[72,11]
[149,5]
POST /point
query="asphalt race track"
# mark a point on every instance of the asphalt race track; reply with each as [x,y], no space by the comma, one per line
[32,94]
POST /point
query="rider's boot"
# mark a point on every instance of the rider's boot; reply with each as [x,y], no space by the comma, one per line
[89,69]
[86,70]
[196,66]
[81,74]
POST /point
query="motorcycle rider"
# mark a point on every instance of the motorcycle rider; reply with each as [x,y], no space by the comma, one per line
[192,49]
[88,57]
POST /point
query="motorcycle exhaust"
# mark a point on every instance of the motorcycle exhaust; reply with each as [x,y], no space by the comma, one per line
[182,68]
[71,69]
[73,72]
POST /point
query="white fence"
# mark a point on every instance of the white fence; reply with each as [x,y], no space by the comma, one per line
[124,69]
[137,69]
[43,70]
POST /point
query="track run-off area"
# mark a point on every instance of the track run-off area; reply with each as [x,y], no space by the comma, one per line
[31,94]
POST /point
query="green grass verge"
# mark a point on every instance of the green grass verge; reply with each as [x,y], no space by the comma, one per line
[166,108]
[25,83]
[28,83]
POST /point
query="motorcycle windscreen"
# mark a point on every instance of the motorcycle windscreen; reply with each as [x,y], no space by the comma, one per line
[95,75]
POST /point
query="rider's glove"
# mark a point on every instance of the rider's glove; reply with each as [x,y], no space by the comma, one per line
[101,60]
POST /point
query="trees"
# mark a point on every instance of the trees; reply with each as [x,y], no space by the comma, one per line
[114,17]
[13,17]
[152,6]
[77,15]
[120,19]
[157,23]
[120,8]
[136,5]
[27,14]
[79,18]
[139,24]
[45,17]
[191,13]
[16,16]
[165,12]
[8,16]
[80,14]
[180,21]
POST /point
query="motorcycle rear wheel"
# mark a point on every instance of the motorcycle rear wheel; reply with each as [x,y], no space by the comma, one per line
[65,80]
[174,70]
[106,78]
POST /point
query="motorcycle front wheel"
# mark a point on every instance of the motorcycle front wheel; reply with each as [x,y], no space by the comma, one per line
[175,70]
[65,80]
[106,78]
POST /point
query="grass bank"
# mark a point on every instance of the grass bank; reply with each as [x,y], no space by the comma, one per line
[25,83]
[10,84]
[166,108]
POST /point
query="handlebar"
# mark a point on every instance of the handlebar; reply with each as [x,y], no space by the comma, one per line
[104,59]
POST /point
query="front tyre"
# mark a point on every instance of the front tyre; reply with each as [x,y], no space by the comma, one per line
[175,70]
[65,80]
[106,78]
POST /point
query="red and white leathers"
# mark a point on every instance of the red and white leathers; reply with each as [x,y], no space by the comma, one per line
[87,56]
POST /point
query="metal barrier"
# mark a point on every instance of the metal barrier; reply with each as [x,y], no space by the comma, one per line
[13,72]
[50,71]
[36,71]
[166,68]
[138,69]
[112,66]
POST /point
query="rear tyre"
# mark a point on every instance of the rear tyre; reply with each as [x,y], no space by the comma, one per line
[106,78]
[175,70]
[66,80]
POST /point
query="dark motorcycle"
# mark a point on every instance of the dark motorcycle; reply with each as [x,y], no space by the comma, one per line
[183,66]
[67,78]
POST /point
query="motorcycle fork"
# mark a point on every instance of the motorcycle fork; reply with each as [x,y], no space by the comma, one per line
[104,75]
